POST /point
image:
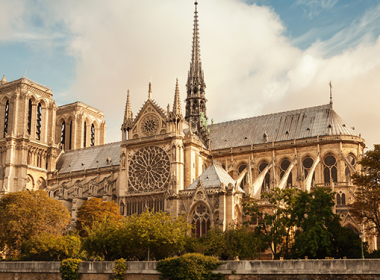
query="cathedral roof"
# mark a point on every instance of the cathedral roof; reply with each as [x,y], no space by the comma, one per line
[283,126]
[213,177]
[90,158]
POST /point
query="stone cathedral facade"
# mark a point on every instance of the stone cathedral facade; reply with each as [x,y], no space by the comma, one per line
[172,160]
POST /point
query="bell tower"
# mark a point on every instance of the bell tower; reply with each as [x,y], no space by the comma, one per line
[195,100]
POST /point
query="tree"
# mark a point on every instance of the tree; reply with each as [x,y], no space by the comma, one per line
[26,214]
[137,237]
[51,247]
[227,245]
[94,210]
[314,218]
[272,220]
[366,208]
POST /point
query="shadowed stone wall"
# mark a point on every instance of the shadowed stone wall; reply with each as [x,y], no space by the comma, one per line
[234,270]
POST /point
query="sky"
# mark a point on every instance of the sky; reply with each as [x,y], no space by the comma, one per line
[259,57]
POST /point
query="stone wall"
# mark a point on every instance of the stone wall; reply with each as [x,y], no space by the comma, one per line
[234,270]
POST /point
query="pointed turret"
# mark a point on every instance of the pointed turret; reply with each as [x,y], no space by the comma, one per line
[3,80]
[128,114]
[177,110]
[195,101]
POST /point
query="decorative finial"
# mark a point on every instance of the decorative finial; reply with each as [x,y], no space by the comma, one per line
[3,80]
[150,91]
[331,100]
[177,100]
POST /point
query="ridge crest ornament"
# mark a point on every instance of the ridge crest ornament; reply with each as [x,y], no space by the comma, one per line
[149,125]
[149,170]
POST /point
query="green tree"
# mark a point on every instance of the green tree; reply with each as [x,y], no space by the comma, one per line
[366,208]
[51,247]
[143,237]
[313,216]
[94,210]
[227,245]
[26,214]
[272,220]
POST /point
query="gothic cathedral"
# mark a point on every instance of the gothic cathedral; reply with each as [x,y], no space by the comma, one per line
[170,161]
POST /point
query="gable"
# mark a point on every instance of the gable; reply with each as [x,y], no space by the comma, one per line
[151,120]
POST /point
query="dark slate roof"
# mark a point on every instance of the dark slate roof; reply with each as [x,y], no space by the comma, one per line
[91,158]
[213,177]
[302,123]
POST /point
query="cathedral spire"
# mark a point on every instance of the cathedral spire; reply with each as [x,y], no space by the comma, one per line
[128,115]
[177,101]
[195,101]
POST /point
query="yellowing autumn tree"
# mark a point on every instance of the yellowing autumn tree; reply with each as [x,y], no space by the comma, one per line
[26,214]
[94,210]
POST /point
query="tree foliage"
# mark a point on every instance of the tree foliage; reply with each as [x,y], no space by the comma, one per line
[313,216]
[51,247]
[191,266]
[146,236]
[295,224]
[236,242]
[272,220]
[94,210]
[366,208]
[27,214]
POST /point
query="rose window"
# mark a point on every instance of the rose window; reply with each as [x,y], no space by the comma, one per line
[149,125]
[149,170]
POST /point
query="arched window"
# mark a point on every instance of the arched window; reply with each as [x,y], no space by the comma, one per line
[307,164]
[283,167]
[71,131]
[241,169]
[330,172]
[84,135]
[39,119]
[338,201]
[343,199]
[92,135]
[351,159]
[63,134]
[6,119]
[30,117]
[265,186]
[201,221]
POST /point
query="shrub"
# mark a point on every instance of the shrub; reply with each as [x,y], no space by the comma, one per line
[120,269]
[69,269]
[192,266]
[51,247]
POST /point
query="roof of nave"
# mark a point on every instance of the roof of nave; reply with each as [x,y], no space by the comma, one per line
[90,158]
[283,126]
[213,177]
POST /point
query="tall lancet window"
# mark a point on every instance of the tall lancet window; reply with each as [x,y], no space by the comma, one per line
[6,119]
[84,134]
[30,116]
[63,134]
[92,135]
[39,118]
[71,132]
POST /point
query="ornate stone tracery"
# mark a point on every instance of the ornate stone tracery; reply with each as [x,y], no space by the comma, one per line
[149,170]
[149,125]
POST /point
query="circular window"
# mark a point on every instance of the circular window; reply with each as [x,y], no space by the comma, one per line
[149,169]
[149,125]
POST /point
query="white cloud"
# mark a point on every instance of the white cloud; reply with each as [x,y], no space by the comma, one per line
[250,66]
